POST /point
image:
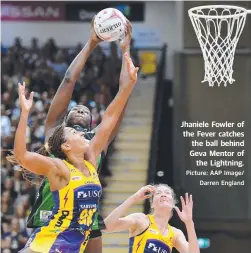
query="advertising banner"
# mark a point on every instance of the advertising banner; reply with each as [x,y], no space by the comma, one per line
[32,11]
[85,11]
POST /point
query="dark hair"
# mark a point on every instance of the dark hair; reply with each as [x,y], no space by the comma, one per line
[53,146]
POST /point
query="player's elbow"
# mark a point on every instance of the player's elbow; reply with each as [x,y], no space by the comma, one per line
[21,160]
[68,78]
[19,155]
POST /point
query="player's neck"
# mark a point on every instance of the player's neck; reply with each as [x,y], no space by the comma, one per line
[162,219]
[77,160]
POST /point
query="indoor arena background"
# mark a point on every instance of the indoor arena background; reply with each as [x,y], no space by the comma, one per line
[149,146]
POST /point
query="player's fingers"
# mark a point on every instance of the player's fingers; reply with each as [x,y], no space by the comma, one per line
[149,188]
[128,61]
[147,196]
[182,202]
[187,199]
[136,70]
[20,89]
[129,26]
[31,96]
[93,21]
[191,199]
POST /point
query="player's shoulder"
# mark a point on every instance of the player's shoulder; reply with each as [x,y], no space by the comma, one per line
[136,216]
[139,217]
[179,239]
[176,230]
[62,167]
[141,223]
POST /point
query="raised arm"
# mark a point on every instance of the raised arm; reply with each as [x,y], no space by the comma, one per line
[112,113]
[181,244]
[31,161]
[124,79]
[114,221]
[63,96]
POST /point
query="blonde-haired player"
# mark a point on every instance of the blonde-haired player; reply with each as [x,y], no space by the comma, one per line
[152,233]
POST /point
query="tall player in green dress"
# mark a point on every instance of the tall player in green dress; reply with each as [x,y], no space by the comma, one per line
[79,117]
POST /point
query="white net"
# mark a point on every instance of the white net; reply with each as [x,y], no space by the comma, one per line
[218,29]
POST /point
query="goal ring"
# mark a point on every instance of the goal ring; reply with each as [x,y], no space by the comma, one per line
[218,49]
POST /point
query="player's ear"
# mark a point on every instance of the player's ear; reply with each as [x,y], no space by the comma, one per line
[66,147]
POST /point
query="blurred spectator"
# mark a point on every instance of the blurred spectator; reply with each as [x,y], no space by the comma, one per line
[59,65]
[34,46]
[14,238]
[96,118]
[7,206]
[5,123]
[50,48]
[9,186]
[17,47]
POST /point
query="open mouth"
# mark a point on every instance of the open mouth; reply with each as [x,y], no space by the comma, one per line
[163,201]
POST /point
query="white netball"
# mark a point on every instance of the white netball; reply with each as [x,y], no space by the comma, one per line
[110,24]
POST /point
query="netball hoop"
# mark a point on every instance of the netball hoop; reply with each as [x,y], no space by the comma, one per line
[218,29]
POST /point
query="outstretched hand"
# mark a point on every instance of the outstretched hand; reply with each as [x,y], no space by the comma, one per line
[94,36]
[132,70]
[26,104]
[186,215]
[125,43]
[144,193]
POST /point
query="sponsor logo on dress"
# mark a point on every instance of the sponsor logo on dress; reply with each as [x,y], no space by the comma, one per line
[156,246]
[95,175]
[89,194]
[153,231]
[61,219]
[76,178]
[44,215]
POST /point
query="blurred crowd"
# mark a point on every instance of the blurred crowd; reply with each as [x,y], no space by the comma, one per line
[42,67]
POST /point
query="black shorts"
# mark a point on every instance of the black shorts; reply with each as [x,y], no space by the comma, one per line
[95,234]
